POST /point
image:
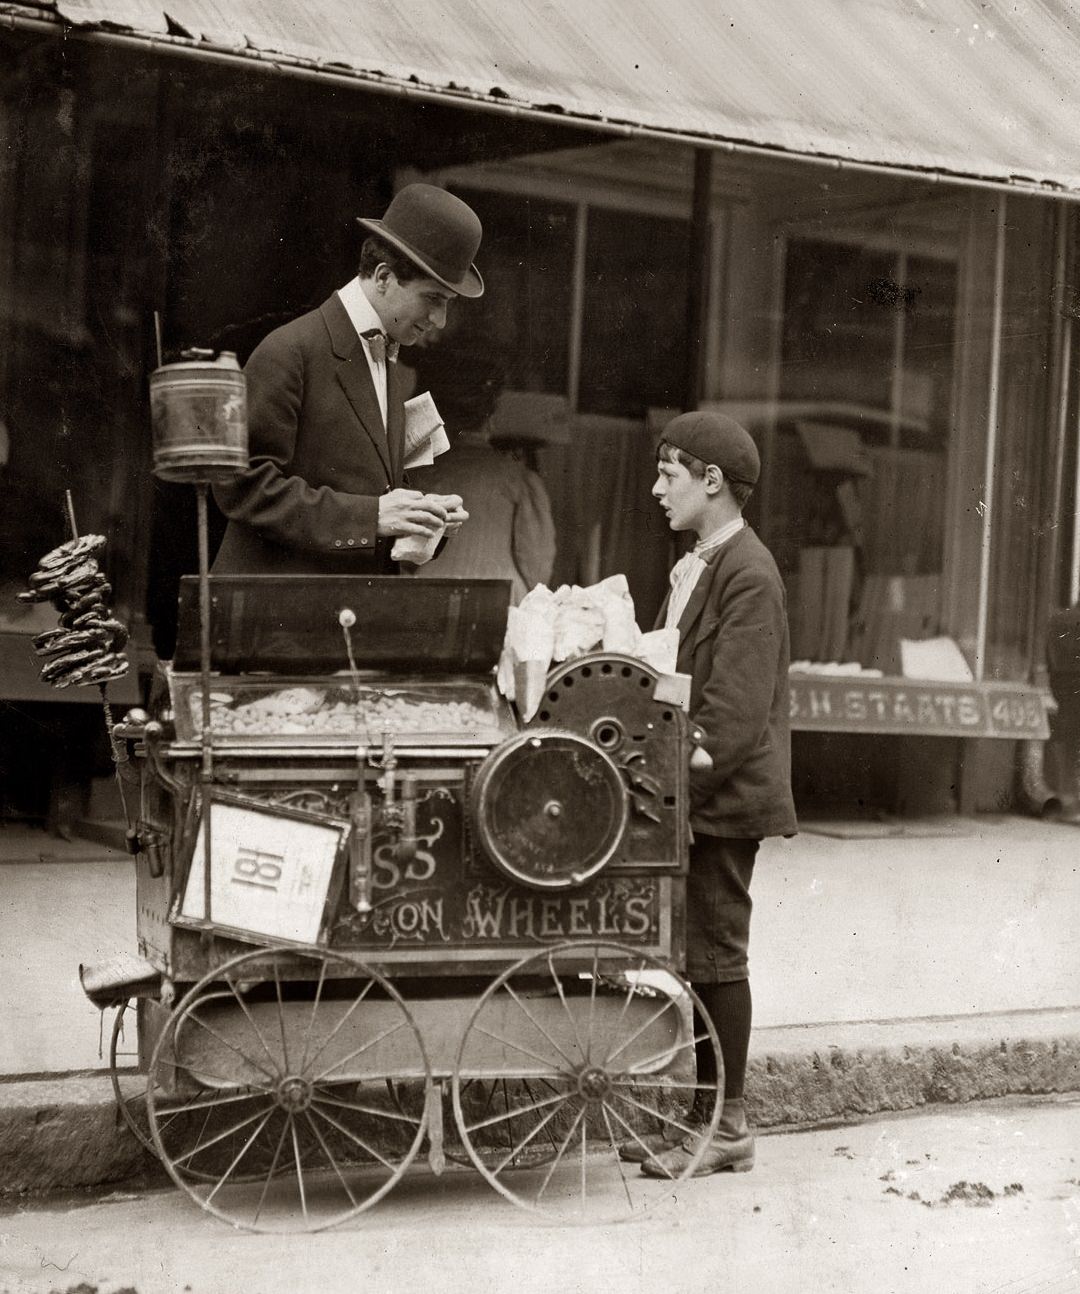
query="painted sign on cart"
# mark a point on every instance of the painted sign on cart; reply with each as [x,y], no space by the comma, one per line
[446,903]
[485,916]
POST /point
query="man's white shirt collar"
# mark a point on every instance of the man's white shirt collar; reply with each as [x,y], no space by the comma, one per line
[363,316]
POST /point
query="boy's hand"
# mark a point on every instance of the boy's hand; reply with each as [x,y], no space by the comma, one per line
[700,758]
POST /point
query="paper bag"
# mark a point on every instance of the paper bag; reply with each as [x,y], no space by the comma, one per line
[417,549]
[425,435]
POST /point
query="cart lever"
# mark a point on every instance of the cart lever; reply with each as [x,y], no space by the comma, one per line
[360,851]
[360,842]
[392,814]
[405,849]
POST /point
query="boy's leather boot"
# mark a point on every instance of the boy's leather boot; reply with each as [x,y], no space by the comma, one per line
[670,1136]
[730,1149]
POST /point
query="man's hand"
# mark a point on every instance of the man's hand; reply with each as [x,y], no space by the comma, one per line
[408,512]
[700,758]
[456,515]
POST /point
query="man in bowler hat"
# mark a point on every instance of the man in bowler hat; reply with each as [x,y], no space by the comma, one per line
[325,491]
[728,602]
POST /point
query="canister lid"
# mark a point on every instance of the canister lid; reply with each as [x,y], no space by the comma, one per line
[201,360]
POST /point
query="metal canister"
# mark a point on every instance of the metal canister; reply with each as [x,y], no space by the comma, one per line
[198,411]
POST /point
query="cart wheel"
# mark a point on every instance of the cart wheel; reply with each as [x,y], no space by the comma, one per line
[600,1035]
[132,1108]
[489,1097]
[509,1108]
[269,1101]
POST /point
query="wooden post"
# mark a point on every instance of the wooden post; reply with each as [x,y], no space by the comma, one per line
[989,478]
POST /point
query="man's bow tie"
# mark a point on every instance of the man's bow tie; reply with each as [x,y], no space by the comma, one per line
[381,347]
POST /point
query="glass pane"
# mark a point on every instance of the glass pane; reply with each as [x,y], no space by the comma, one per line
[633,345]
[860,449]
[293,623]
[838,340]
[313,710]
[929,334]
[527,263]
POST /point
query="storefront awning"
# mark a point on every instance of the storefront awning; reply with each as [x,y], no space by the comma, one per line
[956,88]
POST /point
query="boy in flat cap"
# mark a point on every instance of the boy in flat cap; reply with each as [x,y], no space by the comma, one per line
[728,602]
[325,492]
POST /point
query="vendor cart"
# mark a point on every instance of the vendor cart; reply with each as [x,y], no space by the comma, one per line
[423,923]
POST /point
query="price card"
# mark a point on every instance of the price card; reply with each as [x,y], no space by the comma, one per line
[271,871]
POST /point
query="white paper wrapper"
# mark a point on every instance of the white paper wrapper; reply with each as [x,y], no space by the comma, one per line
[531,632]
[552,627]
[417,549]
[660,649]
[526,653]
[621,633]
[425,435]
[674,689]
[530,683]
[579,622]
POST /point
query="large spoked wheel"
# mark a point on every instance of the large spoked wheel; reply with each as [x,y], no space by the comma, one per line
[601,1038]
[268,1096]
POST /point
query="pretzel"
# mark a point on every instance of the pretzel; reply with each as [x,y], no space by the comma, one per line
[109,667]
[74,549]
[85,601]
[76,640]
[45,640]
[53,670]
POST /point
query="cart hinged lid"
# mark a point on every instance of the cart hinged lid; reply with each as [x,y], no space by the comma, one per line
[290,623]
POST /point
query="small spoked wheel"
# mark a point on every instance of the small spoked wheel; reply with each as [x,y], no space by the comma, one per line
[510,1110]
[269,1090]
[597,1042]
[132,1106]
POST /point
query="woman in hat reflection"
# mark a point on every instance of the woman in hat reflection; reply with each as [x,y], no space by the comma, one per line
[325,491]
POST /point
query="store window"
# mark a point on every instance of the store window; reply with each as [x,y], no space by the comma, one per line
[527,262]
[861,447]
[633,344]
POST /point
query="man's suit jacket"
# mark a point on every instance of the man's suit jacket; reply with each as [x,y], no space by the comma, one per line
[320,456]
[733,642]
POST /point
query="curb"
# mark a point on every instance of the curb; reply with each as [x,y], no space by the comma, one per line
[66,1133]
[812,1074]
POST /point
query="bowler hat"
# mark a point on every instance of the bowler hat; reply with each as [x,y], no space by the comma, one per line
[436,231]
[716,438]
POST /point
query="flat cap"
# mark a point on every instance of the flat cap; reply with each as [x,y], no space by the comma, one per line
[716,438]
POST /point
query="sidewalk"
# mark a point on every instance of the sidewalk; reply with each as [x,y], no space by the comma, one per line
[889,974]
[981,1198]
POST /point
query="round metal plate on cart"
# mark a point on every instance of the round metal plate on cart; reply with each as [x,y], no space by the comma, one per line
[549,809]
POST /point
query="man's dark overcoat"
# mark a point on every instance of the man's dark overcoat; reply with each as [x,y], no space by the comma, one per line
[320,455]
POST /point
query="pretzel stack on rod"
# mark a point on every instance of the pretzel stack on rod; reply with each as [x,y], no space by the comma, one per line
[88,644]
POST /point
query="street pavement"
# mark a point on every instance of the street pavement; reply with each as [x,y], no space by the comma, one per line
[982,1198]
